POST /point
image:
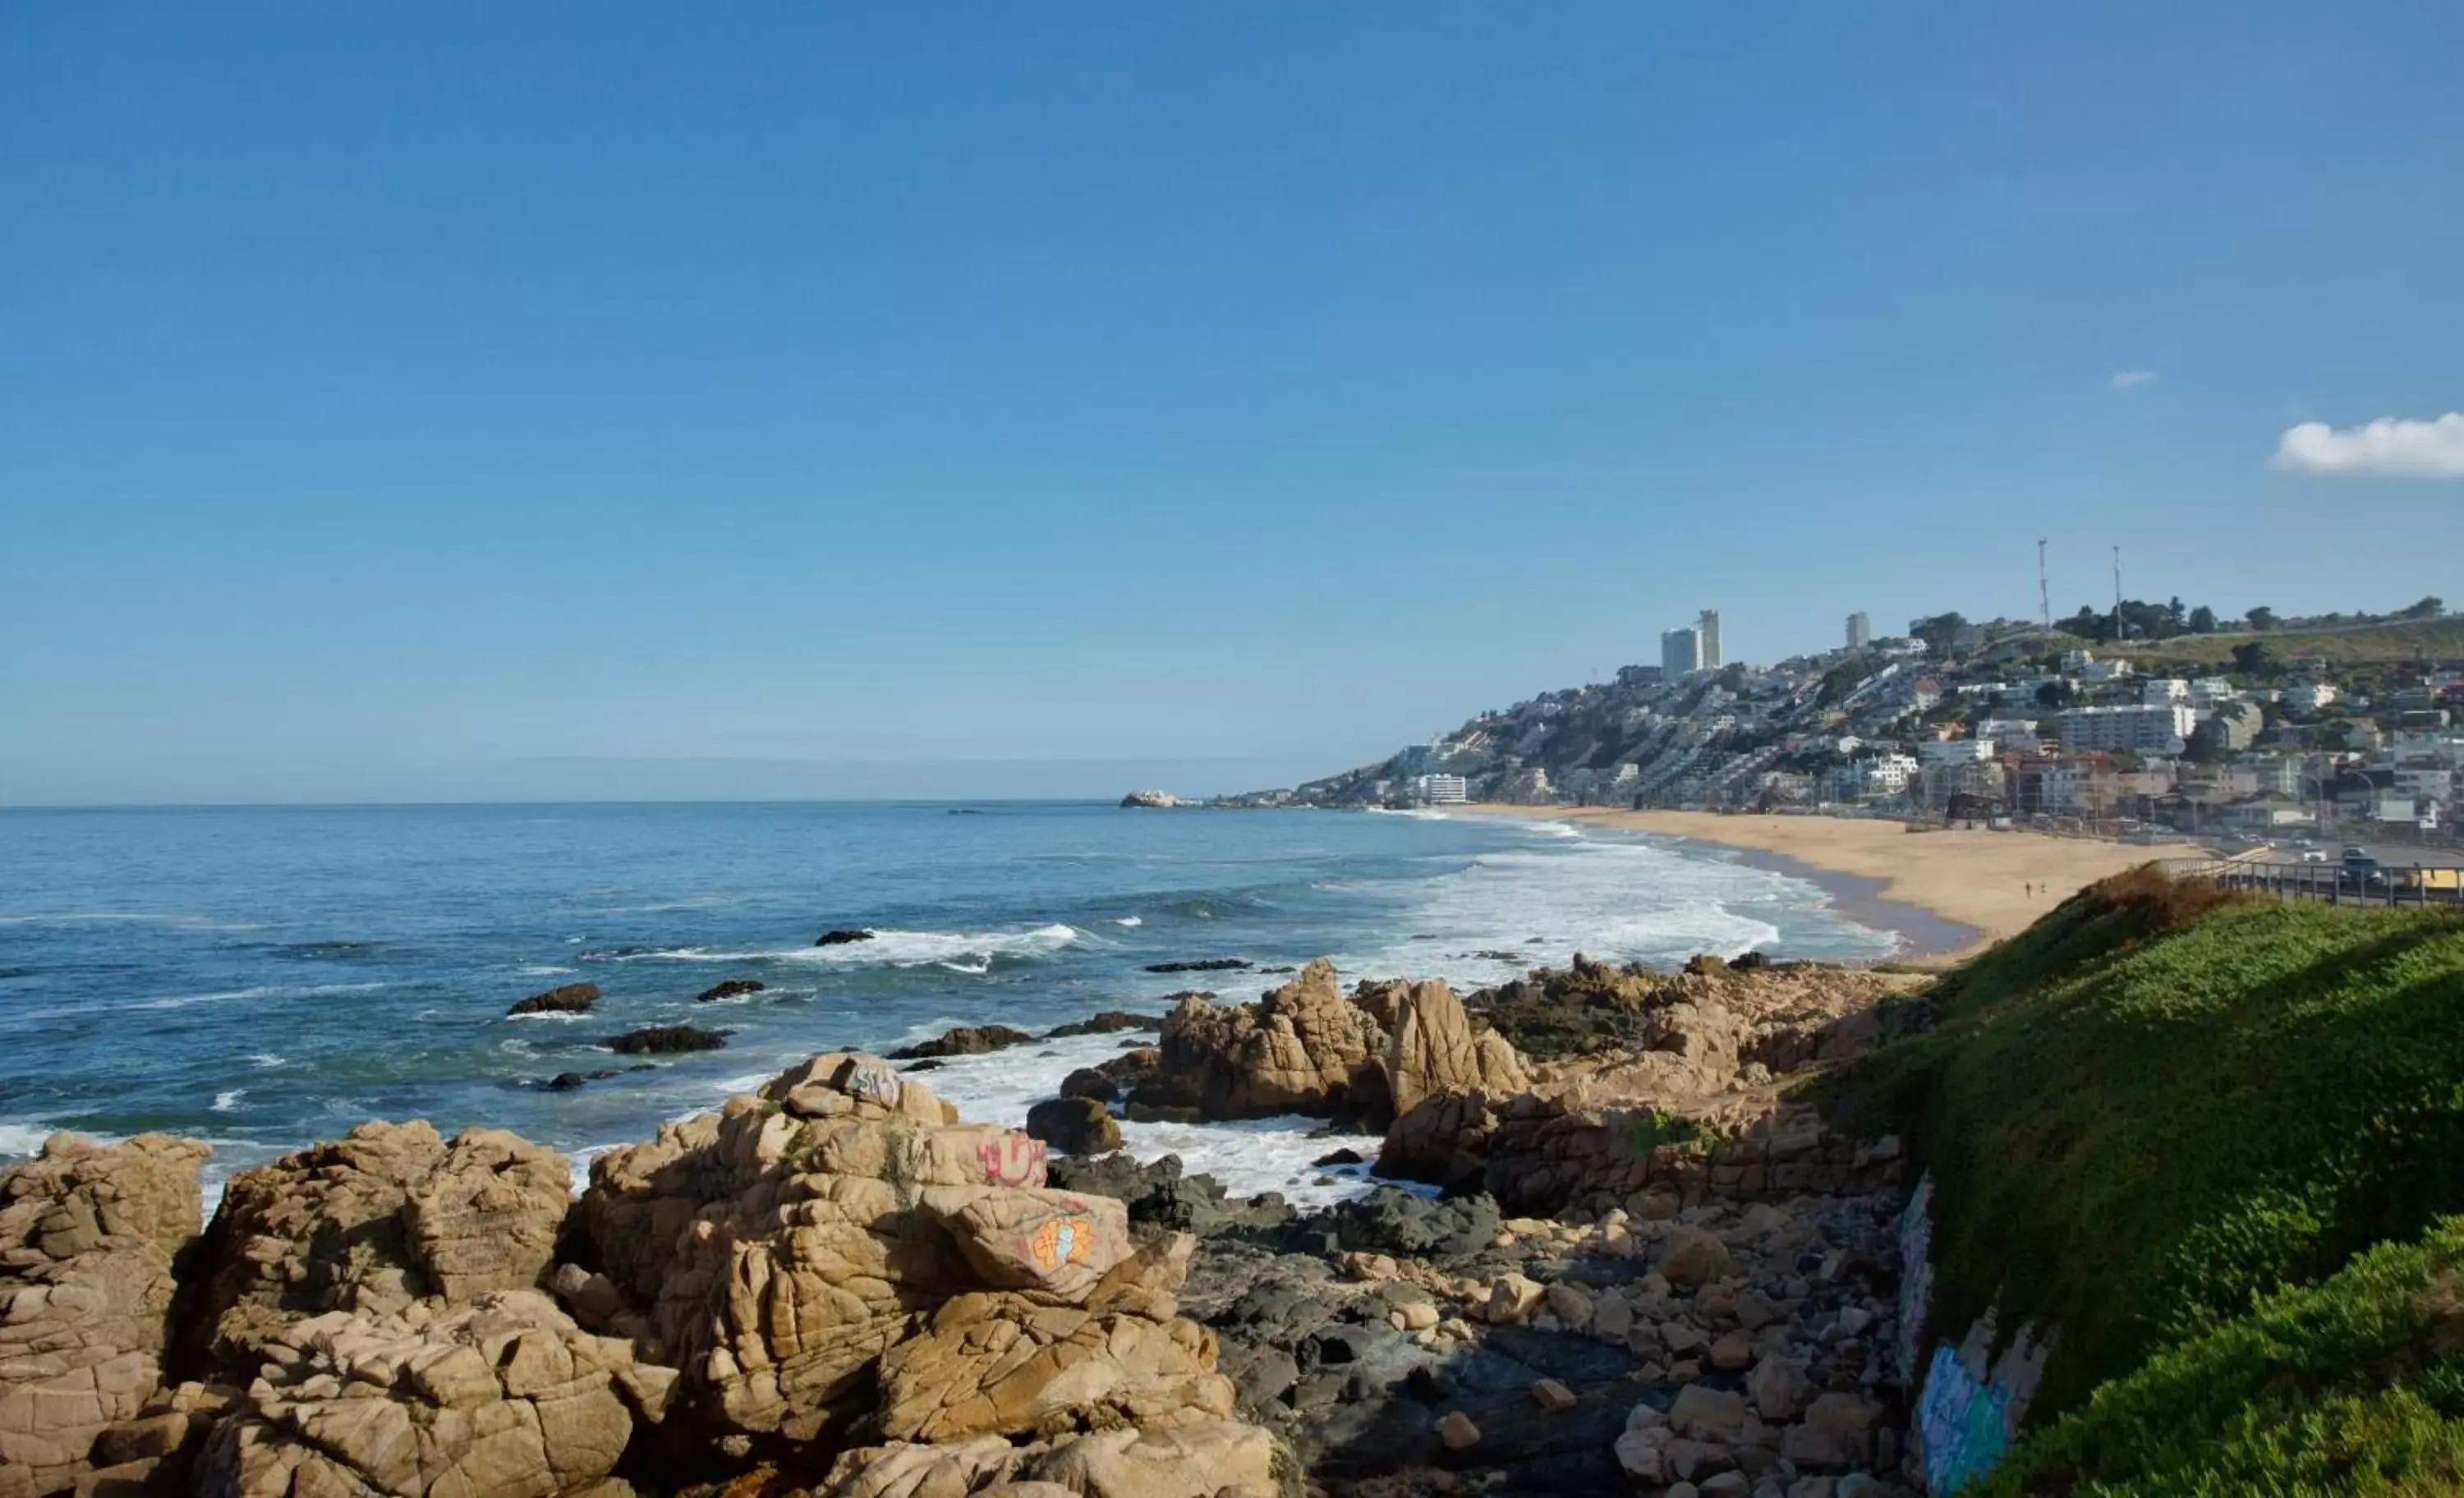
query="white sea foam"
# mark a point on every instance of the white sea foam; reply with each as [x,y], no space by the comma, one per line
[547,1014]
[1128,921]
[17,1139]
[226,1102]
[266,1060]
[1249,1157]
[267,991]
[1614,898]
[885,949]
[542,970]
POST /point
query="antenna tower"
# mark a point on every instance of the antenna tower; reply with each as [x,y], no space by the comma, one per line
[2045,598]
[2117,595]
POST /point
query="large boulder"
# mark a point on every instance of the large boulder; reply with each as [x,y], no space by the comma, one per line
[989,1363]
[1201,1459]
[1434,1050]
[1074,1125]
[505,1396]
[1294,1051]
[388,1215]
[842,1253]
[88,1234]
[1442,1140]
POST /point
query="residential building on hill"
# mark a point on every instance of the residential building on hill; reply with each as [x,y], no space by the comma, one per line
[1861,631]
[2138,729]
[1681,654]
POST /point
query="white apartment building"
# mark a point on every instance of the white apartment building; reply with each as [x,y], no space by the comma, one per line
[1681,654]
[2309,697]
[1955,751]
[2139,729]
[2163,690]
[1709,628]
[1441,790]
[2208,693]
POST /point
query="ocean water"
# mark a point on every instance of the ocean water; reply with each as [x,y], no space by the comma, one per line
[263,977]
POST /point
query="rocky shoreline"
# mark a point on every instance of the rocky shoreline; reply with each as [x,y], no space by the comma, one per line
[1625,1257]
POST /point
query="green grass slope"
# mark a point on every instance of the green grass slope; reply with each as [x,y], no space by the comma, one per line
[2404,639]
[2352,1386]
[2160,1106]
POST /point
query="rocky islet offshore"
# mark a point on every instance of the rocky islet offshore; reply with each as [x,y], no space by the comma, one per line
[1653,1272]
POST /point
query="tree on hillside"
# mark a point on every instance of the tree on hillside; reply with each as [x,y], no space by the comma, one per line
[2203,620]
[2177,615]
[2088,625]
[2427,608]
[2253,659]
[1940,633]
[2261,618]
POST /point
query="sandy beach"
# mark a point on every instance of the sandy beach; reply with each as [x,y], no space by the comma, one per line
[1994,883]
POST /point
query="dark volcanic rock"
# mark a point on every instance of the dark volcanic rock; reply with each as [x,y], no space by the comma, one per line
[1074,1125]
[842,937]
[967,1040]
[1338,1158]
[732,988]
[1203,965]
[1087,1082]
[661,1039]
[1160,1197]
[1109,1022]
[1395,1221]
[570,998]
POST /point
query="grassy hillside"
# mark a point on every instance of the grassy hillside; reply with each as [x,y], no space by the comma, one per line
[2413,640]
[2161,1105]
[2353,1386]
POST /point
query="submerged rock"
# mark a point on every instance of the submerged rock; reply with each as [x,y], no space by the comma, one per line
[967,1040]
[568,998]
[658,1040]
[1108,1022]
[1201,965]
[731,988]
[842,937]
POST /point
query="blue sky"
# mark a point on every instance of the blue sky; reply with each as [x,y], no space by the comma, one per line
[473,400]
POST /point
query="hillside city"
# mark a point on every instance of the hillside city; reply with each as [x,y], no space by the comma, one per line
[2144,719]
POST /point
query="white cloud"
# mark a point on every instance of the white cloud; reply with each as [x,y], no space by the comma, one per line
[2391,447]
[2133,379]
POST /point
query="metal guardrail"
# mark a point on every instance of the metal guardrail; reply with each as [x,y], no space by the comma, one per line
[2420,886]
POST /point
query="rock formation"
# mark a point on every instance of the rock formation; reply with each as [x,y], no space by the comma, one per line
[568,998]
[504,1396]
[842,1252]
[1293,1051]
[384,1217]
[87,1238]
[967,1040]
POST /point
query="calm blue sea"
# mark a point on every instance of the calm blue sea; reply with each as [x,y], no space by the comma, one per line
[262,977]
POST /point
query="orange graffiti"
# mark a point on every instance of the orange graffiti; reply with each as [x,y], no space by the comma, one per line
[1064,1239]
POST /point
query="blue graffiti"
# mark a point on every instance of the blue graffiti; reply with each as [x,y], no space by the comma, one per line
[1963,1425]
